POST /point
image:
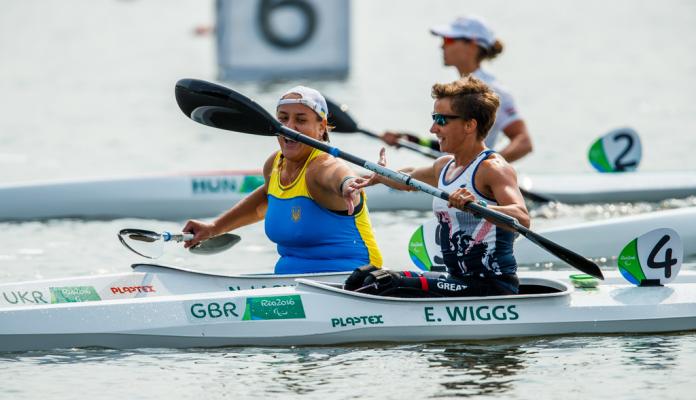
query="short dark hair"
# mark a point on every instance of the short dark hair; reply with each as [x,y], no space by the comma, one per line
[471,99]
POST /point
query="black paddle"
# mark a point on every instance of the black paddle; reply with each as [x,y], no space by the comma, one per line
[344,123]
[223,108]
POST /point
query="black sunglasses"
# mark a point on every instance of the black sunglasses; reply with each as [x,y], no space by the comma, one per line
[443,119]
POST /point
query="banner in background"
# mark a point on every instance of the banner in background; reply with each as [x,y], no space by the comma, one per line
[282,39]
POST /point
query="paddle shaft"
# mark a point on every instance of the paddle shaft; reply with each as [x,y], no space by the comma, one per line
[400,177]
[426,151]
[432,153]
[561,252]
[176,237]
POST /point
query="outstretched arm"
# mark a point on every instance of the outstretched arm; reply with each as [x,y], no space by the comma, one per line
[249,210]
[427,174]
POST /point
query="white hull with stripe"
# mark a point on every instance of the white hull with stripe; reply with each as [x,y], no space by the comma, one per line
[606,239]
[313,313]
[597,239]
[208,194]
[167,197]
[612,187]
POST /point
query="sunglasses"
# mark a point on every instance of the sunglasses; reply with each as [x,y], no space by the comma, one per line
[443,119]
[450,40]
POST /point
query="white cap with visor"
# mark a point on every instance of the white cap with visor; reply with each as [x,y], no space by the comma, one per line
[309,97]
[467,27]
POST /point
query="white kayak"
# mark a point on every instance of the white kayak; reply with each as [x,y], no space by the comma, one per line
[612,187]
[606,239]
[168,197]
[207,194]
[145,280]
[315,313]
[596,239]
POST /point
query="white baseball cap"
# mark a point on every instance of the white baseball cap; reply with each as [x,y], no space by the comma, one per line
[309,97]
[468,27]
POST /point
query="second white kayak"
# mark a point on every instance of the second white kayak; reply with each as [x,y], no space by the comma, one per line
[206,194]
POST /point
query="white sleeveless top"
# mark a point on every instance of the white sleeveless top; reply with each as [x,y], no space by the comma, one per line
[481,248]
[507,111]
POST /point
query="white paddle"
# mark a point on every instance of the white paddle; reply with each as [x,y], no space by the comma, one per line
[150,244]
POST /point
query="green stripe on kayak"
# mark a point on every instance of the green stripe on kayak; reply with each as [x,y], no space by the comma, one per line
[418,251]
[73,294]
[629,263]
[250,183]
[275,307]
[598,157]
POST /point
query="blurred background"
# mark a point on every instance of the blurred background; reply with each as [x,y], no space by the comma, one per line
[87,90]
[87,86]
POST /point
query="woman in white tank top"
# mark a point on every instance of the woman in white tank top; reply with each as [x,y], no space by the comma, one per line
[466,43]
[478,254]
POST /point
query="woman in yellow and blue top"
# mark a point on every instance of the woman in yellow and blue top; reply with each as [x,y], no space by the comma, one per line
[311,208]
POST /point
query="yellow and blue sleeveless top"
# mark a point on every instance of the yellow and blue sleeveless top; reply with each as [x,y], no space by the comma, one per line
[311,238]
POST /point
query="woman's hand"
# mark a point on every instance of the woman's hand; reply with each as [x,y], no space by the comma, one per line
[460,198]
[201,231]
[373,178]
[391,138]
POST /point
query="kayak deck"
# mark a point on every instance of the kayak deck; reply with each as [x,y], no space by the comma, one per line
[314,313]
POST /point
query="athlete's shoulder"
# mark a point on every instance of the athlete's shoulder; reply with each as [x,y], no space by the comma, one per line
[495,167]
[321,160]
[269,163]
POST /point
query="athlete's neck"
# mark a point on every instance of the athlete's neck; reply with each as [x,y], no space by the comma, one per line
[467,68]
[289,169]
[467,154]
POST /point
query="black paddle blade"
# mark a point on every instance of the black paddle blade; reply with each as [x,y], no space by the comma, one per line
[223,108]
[571,257]
[339,118]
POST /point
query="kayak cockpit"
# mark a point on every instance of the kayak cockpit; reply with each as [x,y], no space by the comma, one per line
[163,269]
[529,288]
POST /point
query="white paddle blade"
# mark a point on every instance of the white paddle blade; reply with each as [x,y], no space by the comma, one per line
[216,245]
[618,151]
[654,258]
[144,243]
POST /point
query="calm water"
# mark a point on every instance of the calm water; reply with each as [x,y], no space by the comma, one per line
[86,90]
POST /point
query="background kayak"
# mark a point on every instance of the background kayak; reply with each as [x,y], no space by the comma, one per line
[167,197]
[206,194]
[612,187]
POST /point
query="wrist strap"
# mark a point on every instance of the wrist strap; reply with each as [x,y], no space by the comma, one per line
[346,179]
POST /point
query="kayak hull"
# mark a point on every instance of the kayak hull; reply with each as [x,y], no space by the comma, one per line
[585,188]
[166,197]
[206,194]
[146,280]
[314,313]
[607,238]
[14,343]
